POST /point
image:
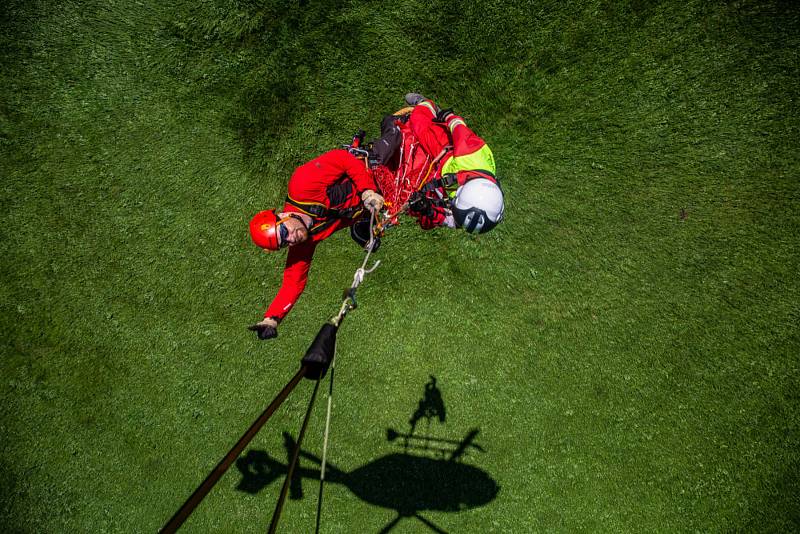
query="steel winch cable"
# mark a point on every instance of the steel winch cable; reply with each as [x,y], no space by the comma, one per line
[191,503]
[273,526]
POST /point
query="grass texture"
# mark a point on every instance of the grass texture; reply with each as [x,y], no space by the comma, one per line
[626,342]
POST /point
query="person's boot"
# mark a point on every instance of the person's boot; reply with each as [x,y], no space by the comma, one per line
[412,99]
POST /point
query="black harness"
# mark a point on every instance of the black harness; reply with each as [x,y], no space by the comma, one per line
[339,193]
[318,211]
[440,183]
[449,179]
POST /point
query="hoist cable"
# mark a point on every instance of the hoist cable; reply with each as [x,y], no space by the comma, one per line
[295,454]
[191,503]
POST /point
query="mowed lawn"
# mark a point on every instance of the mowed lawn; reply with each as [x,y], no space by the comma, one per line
[620,355]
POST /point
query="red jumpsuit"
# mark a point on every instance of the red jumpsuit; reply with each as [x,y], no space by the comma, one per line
[327,188]
[468,158]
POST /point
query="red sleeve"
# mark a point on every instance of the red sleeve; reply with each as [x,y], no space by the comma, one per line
[309,182]
[355,168]
[423,127]
[295,276]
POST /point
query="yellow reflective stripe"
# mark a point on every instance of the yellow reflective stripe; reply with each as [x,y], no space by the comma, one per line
[480,159]
[455,122]
[428,105]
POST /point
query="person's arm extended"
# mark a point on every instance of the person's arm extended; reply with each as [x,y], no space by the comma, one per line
[295,276]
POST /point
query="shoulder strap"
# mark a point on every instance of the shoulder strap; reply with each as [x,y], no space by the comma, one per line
[325,215]
[314,209]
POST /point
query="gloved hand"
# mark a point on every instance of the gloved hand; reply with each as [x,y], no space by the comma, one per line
[420,205]
[443,115]
[372,200]
[267,328]
[412,99]
[436,218]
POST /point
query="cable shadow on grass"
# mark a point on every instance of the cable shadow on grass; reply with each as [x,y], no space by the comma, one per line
[434,478]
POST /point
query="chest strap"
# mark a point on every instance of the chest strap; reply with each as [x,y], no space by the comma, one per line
[318,211]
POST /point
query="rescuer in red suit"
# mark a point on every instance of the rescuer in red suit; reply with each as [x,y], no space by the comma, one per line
[326,194]
[460,189]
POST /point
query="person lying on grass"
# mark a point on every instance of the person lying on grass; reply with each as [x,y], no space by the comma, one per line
[460,188]
[326,194]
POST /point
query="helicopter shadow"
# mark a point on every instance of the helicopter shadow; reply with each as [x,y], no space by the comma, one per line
[430,474]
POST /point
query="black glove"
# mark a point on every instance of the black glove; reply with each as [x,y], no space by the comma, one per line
[419,204]
[443,115]
[264,331]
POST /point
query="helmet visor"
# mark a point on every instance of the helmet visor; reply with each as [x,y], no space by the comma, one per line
[473,220]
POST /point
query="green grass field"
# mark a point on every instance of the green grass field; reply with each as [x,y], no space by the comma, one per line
[626,343]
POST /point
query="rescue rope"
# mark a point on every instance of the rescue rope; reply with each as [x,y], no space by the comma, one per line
[348,304]
[424,180]
[325,445]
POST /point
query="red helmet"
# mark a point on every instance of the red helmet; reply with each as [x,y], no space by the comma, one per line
[264,229]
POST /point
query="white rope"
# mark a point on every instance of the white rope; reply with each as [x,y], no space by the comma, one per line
[347,305]
[325,444]
[360,273]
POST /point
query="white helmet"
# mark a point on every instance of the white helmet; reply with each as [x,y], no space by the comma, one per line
[478,205]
